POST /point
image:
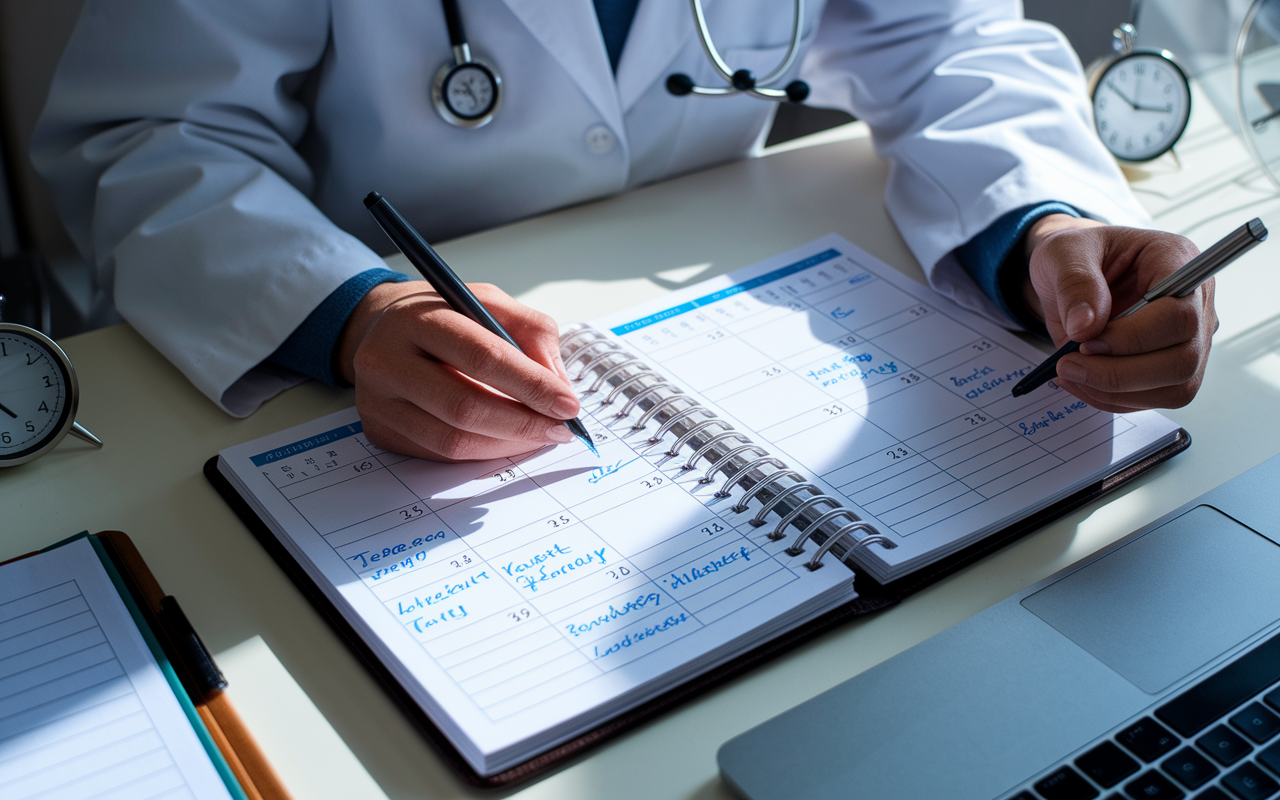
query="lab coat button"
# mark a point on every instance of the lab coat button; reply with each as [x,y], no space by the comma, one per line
[600,139]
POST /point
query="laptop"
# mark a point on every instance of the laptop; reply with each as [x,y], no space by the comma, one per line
[1149,670]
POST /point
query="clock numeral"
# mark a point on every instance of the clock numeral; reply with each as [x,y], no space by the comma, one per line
[48,384]
[6,438]
[31,359]
[43,407]
[3,350]
[30,427]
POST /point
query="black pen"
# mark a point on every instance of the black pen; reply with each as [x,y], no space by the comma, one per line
[444,281]
[1179,284]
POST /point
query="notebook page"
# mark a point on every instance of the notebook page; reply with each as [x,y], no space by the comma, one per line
[893,397]
[84,710]
[525,596]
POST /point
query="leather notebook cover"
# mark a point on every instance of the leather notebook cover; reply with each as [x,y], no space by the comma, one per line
[873,596]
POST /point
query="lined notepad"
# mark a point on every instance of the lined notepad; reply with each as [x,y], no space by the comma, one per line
[819,397]
[85,711]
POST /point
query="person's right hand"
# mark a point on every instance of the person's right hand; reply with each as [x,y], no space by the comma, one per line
[431,383]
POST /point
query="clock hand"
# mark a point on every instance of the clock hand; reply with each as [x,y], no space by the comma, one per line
[1260,121]
[7,411]
[1113,88]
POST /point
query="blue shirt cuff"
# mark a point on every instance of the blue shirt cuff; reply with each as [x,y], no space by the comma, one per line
[309,349]
[984,255]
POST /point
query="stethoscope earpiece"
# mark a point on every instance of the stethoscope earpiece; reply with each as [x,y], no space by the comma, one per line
[743,81]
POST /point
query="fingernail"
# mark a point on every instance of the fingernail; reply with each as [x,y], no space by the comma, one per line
[1078,318]
[1071,371]
[559,433]
[565,408]
[564,373]
[1095,347]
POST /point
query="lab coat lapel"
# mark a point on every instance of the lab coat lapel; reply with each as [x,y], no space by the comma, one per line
[661,28]
[568,29]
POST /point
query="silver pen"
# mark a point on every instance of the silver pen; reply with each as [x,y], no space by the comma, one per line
[1179,284]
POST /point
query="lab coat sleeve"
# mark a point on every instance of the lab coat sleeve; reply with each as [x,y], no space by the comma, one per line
[168,142]
[978,111]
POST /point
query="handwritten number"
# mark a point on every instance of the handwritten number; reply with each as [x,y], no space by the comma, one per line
[834,410]
[363,466]
[982,346]
[520,614]
[976,418]
[413,512]
[505,475]
[652,482]
[563,519]
[712,529]
[619,573]
[771,371]
[896,453]
[918,311]
[458,563]
[910,378]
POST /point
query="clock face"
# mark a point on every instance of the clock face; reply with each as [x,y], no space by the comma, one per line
[468,94]
[469,91]
[1141,103]
[37,394]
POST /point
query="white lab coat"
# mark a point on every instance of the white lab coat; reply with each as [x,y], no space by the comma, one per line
[209,156]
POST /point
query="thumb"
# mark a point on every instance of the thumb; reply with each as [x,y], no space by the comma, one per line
[1066,272]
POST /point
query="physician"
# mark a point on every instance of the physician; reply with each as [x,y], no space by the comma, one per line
[209,158]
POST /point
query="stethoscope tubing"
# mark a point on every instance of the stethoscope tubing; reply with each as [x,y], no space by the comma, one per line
[759,88]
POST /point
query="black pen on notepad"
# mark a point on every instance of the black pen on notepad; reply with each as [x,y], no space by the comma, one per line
[1179,284]
[446,282]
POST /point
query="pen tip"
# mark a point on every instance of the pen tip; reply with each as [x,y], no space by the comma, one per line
[371,199]
[576,427]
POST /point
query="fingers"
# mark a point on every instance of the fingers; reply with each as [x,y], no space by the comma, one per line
[1154,358]
[473,351]
[1066,273]
[434,384]
[403,427]
[537,333]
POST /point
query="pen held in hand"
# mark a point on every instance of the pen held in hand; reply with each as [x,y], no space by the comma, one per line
[1179,284]
[446,282]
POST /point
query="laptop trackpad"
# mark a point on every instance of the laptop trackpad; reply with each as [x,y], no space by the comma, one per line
[1170,601]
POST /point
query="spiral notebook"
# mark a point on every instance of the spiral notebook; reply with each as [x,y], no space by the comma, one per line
[780,448]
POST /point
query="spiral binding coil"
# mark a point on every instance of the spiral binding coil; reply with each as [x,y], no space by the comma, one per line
[780,492]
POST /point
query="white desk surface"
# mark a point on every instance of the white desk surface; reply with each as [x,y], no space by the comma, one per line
[331,731]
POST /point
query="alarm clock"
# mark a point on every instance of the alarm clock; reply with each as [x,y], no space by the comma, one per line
[39,395]
[1141,100]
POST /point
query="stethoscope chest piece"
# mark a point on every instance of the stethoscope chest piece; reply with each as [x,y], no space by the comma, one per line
[466,92]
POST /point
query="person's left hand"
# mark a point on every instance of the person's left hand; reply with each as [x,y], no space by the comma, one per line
[1080,273]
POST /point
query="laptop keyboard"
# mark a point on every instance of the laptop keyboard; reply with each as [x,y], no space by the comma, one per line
[1218,740]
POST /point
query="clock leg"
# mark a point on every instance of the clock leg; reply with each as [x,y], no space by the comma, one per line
[80,432]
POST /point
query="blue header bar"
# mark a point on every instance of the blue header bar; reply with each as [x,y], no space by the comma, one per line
[754,283]
[310,443]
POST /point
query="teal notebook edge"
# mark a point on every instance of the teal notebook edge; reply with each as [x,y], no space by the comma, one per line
[179,692]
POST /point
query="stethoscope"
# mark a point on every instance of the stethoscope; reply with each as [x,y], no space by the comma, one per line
[467,91]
